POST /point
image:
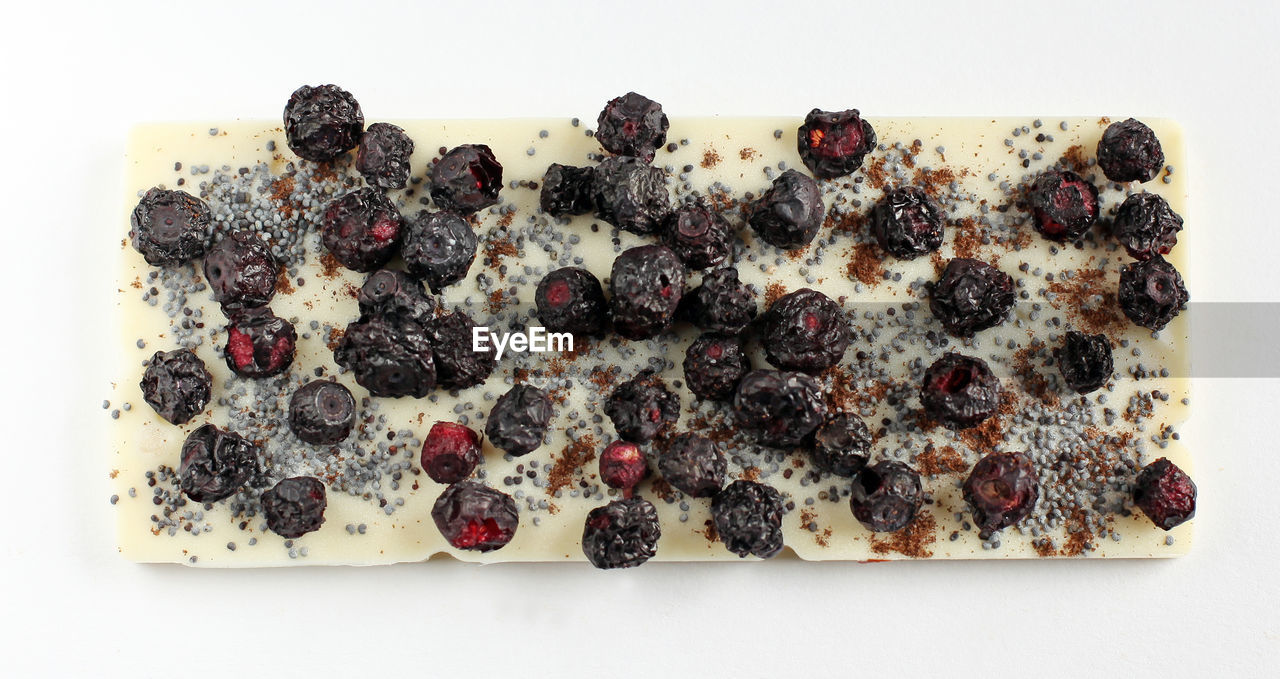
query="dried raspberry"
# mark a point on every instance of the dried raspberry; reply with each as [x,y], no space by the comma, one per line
[623,465]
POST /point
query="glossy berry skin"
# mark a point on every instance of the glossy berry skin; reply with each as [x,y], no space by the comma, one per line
[439,248]
[641,407]
[457,365]
[833,143]
[475,517]
[571,299]
[241,271]
[170,227]
[621,534]
[970,296]
[698,235]
[176,385]
[1063,205]
[295,506]
[647,282]
[387,360]
[632,125]
[384,154]
[259,343]
[519,419]
[1165,494]
[631,194]
[450,452]
[959,391]
[215,464]
[886,496]
[721,304]
[466,179]
[907,223]
[1084,360]
[714,365]
[567,190]
[322,123]
[1152,292]
[362,229]
[397,298]
[1129,151]
[779,409]
[1001,490]
[623,465]
[1146,226]
[748,518]
[842,445]
[322,412]
[693,464]
[789,214]
[804,330]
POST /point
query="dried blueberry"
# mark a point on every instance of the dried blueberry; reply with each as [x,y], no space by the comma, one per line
[466,179]
[833,143]
[1165,494]
[959,391]
[632,125]
[630,194]
[458,366]
[170,227]
[176,384]
[322,412]
[885,496]
[383,157]
[971,295]
[438,248]
[450,452]
[386,359]
[748,518]
[259,343]
[623,465]
[693,464]
[1001,490]
[907,223]
[362,229]
[322,123]
[641,407]
[566,190]
[241,271]
[215,464]
[295,506]
[779,409]
[396,298]
[789,214]
[1129,151]
[713,366]
[1063,205]
[1146,226]
[1151,292]
[842,445]
[721,303]
[519,420]
[647,282]
[621,534]
[698,235]
[570,299]
[804,330]
[1085,360]
[475,517]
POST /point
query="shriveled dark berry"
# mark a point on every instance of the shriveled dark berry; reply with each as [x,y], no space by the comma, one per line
[632,125]
[842,445]
[907,223]
[885,496]
[362,229]
[959,391]
[1129,151]
[789,214]
[713,366]
[1165,494]
[383,157]
[631,194]
[519,420]
[387,359]
[1001,490]
[647,282]
[450,452]
[1063,205]
[621,534]
[475,517]
[295,506]
[439,248]
[322,412]
[623,465]
[570,299]
[1146,226]
[170,227]
[567,190]
[322,123]
[1084,360]
[721,303]
[458,366]
[804,330]
[698,235]
[259,343]
[241,271]
[466,179]
[176,385]
[971,295]
[396,297]
[641,407]
[693,464]
[215,463]
[748,518]
[1152,292]
[833,143]
[777,408]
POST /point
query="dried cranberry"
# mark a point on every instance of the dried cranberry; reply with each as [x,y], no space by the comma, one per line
[630,194]
[386,359]
[566,190]
[215,463]
[960,391]
[804,330]
[721,303]
[1152,292]
[519,420]
[622,465]
[698,235]
[1165,494]
[176,384]
[438,247]
[170,227]
[907,223]
[833,143]
[713,366]
[475,517]
[748,518]
[1001,490]
[362,229]
[647,282]
[789,214]
[1129,151]
[466,179]
[259,343]
[450,452]
[632,125]
[322,123]
[570,299]
[396,298]
[383,157]
[1063,205]
[295,506]
[322,412]
[1085,360]
[641,407]
[458,366]
[885,496]
[842,445]
[621,534]
[693,464]
[1146,226]
[971,295]
[779,409]
[241,271]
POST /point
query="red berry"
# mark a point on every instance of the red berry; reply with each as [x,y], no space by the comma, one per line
[622,465]
[1165,494]
[451,452]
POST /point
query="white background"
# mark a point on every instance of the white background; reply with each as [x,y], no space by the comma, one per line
[75,77]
